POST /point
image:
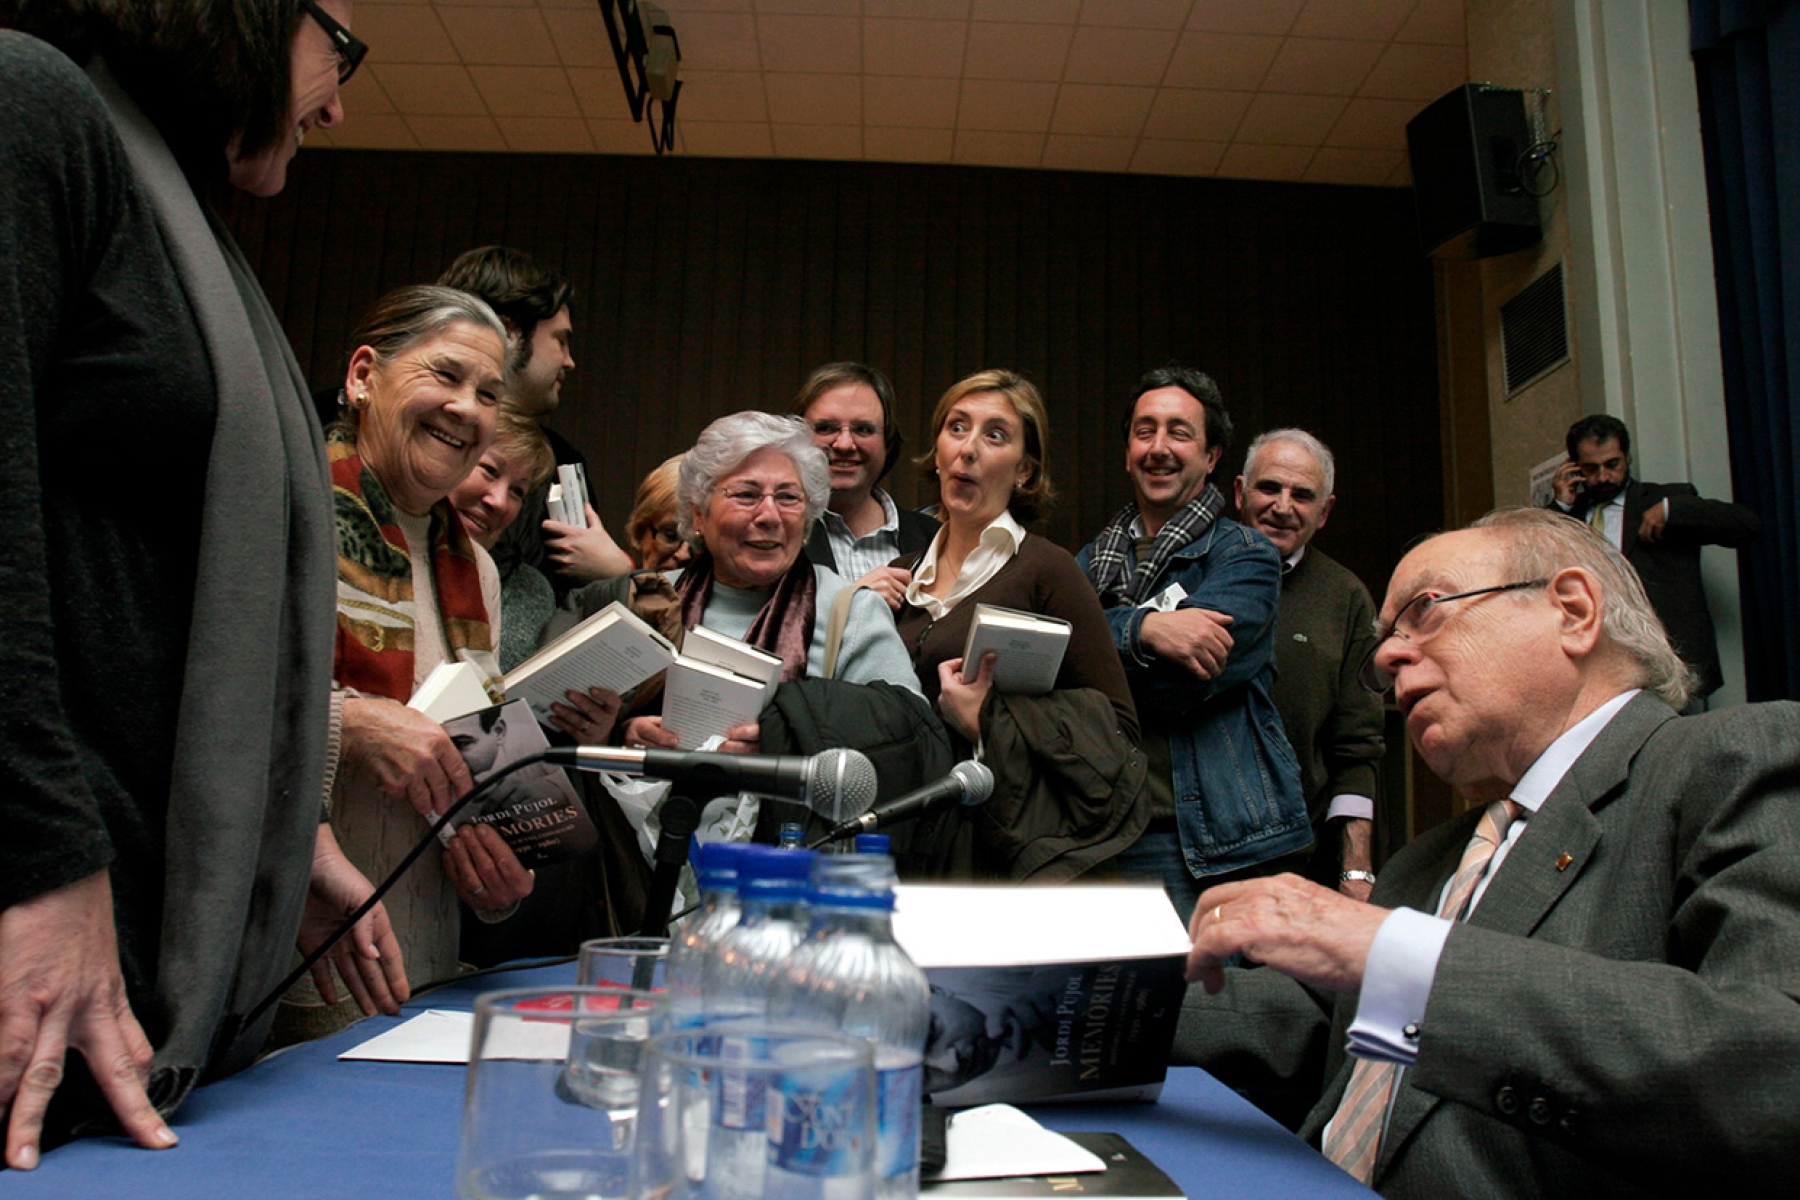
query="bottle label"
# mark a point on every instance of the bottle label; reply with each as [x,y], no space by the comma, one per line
[899,1094]
[740,1092]
[819,1122]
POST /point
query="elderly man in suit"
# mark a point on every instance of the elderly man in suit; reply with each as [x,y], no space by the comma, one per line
[1586,985]
[1659,528]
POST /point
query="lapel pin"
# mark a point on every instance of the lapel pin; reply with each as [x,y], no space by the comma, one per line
[1562,863]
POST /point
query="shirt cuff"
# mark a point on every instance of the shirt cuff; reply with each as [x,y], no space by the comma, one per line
[1351,807]
[1396,986]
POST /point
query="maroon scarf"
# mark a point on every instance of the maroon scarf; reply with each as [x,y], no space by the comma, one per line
[784,625]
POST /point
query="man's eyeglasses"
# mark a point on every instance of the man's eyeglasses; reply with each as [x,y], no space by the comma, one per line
[1418,620]
[350,48]
[749,498]
[862,431]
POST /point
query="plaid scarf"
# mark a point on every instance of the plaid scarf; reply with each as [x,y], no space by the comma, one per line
[375,593]
[1112,549]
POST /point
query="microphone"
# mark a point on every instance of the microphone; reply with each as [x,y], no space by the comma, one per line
[836,784]
[968,783]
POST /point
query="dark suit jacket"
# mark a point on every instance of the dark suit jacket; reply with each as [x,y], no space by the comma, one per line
[915,533]
[1618,1016]
[1670,568]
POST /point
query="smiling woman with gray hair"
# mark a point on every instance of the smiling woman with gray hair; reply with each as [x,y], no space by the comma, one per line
[750,489]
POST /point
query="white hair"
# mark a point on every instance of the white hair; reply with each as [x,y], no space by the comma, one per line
[727,442]
[1319,450]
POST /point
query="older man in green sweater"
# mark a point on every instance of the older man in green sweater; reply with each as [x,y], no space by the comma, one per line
[1325,628]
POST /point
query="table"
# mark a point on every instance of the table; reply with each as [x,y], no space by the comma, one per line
[305,1126]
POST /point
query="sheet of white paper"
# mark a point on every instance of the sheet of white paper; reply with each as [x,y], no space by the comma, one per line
[439,1036]
[997,1140]
[435,1035]
[947,926]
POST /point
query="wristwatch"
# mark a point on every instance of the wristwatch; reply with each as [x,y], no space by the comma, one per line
[1354,876]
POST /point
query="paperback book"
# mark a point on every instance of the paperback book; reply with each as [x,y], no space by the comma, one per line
[536,808]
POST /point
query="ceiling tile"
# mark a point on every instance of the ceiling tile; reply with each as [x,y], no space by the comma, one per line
[1128,56]
[805,44]
[1402,176]
[715,96]
[500,35]
[1135,14]
[1080,152]
[1244,16]
[980,147]
[724,139]
[1187,114]
[456,133]
[1014,51]
[814,100]
[625,137]
[1048,12]
[1321,66]
[1377,20]
[818,141]
[1417,72]
[441,90]
[1230,62]
[710,6]
[930,48]
[920,103]
[363,95]
[403,33]
[811,8]
[580,37]
[527,92]
[377,131]
[1281,120]
[546,135]
[942,10]
[1095,109]
[1368,168]
[993,104]
[1244,161]
[908,145]
[1439,22]
[1373,124]
[718,42]
[1155,157]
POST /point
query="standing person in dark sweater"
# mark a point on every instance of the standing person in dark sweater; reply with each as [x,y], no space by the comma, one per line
[987,458]
[533,302]
[167,665]
[1324,631]
[1190,597]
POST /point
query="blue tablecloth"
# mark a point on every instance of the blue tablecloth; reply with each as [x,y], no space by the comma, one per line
[306,1126]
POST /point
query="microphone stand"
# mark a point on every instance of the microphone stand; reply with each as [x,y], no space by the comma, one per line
[677,817]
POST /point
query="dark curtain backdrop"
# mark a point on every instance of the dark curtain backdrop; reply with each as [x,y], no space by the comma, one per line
[1747,60]
[705,286]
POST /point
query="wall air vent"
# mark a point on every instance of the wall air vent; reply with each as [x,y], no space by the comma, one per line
[1534,331]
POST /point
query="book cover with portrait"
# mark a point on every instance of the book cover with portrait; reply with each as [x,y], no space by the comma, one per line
[537,808]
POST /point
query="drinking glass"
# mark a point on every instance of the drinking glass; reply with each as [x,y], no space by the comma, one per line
[754,1111]
[551,1105]
[628,962]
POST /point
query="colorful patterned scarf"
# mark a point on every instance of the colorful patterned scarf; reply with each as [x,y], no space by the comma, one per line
[1112,549]
[375,590]
[784,625]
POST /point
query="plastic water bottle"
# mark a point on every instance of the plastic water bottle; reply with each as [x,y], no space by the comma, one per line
[850,975]
[715,866]
[772,886]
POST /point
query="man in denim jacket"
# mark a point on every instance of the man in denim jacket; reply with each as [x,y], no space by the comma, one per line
[1191,597]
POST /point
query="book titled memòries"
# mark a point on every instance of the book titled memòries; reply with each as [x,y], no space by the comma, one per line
[536,808]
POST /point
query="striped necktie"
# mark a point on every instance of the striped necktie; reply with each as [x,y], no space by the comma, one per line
[1355,1134]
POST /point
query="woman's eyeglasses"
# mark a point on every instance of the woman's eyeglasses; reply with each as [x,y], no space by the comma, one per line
[350,48]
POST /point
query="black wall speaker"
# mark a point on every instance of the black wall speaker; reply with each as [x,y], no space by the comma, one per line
[1467,152]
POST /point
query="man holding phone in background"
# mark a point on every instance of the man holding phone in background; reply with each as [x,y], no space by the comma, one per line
[1659,528]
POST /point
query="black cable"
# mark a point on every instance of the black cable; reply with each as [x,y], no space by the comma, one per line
[387,885]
